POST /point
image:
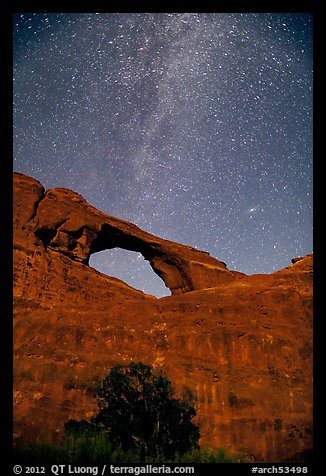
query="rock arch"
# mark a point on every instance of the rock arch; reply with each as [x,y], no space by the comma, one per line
[65,222]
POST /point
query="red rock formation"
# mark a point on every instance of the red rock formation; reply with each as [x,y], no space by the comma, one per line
[241,345]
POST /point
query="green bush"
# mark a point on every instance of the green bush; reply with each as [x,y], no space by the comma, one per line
[139,420]
[96,450]
[139,412]
[39,453]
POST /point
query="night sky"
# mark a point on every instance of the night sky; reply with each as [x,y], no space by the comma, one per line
[196,127]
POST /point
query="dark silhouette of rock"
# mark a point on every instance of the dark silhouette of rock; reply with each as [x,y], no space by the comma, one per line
[240,345]
[295,260]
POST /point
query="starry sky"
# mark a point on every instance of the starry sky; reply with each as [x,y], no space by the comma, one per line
[197,127]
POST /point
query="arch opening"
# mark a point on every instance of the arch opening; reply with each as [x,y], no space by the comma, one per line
[131,268]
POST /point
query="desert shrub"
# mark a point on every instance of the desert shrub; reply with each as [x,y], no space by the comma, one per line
[139,411]
[96,450]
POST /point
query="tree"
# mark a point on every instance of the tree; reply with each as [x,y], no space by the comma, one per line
[137,408]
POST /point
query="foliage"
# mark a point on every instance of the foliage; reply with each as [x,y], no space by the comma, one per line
[81,427]
[138,410]
[139,419]
[204,455]
[38,453]
[95,449]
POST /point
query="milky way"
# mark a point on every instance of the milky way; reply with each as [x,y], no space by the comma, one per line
[196,127]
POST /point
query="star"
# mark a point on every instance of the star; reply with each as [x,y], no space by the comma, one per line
[252,210]
[195,127]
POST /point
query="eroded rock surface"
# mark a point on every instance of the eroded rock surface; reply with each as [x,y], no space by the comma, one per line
[64,222]
[240,345]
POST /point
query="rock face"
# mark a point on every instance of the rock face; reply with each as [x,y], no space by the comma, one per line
[240,345]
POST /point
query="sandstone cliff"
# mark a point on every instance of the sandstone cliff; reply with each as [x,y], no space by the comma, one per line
[241,345]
